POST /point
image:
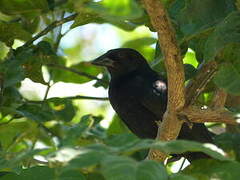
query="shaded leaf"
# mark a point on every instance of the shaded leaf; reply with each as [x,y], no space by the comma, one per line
[197,16]
[38,172]
[28,8]
[226,32]
[151,170]
[63,108]
[11,31]
[35,112]
[230,143]
[118,168]
[228,78]
[219,170]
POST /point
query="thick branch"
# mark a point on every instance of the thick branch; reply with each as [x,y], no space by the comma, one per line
[197,85]
[76,72]
[170,126]
[197,115]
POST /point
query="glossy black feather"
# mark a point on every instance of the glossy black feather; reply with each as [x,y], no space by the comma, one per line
[139,96]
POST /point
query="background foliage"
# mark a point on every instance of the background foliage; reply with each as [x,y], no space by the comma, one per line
[50,131]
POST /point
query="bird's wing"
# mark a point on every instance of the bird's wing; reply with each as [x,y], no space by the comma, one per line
[152,94]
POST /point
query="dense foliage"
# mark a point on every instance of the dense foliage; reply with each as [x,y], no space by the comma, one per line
[51,138]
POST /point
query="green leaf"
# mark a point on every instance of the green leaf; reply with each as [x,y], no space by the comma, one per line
[190,58]
[36,173]
[174,147]
[143,46]
[86,159]
[228,78]
[127,9]
[117,126]
[226,32]
[190,71]
[151,170]
[72,175]
[106,12]
[63,108]
[118,168]
[11,99]
[212,169]
[9,132]
[73,133]
[230,143]
[12,77]
[197,16]
[181,146]
[35,112]
[11,31]
[27,8]
[181,177]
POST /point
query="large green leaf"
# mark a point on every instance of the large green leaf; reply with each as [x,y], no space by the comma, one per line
[117,126]
[28,8]
[127,9]
[11,77]
[11,31]
[63,108]
[9,132]
[107,11]
[142,45]
[230,143]
[226,32]
[117,168]
[228,78]
[212,169]
[126,168]
[181,176]
[197,16]
[151,170]
[36,173]
[36,112]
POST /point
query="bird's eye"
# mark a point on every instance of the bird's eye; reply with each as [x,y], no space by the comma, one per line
[120,55]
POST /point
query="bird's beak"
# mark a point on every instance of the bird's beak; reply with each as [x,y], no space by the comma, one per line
[103,61]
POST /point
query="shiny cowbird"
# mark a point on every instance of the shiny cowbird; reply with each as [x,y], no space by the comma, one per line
[139,96]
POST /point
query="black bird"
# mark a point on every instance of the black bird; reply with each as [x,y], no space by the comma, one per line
[139,96]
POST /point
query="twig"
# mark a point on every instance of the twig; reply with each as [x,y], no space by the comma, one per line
[76,72]
[47,90]
[170,126]
[195,86]
[88,98]
[75,97]
[49,28]
[219,99]
[60,35]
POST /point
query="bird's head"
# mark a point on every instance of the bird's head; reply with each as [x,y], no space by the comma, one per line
[121,61]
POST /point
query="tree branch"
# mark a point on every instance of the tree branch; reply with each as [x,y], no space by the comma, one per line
[197,85]
[49,28]
[75,97]
[201,115]
[219,99]
[170,126]
[76,72]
